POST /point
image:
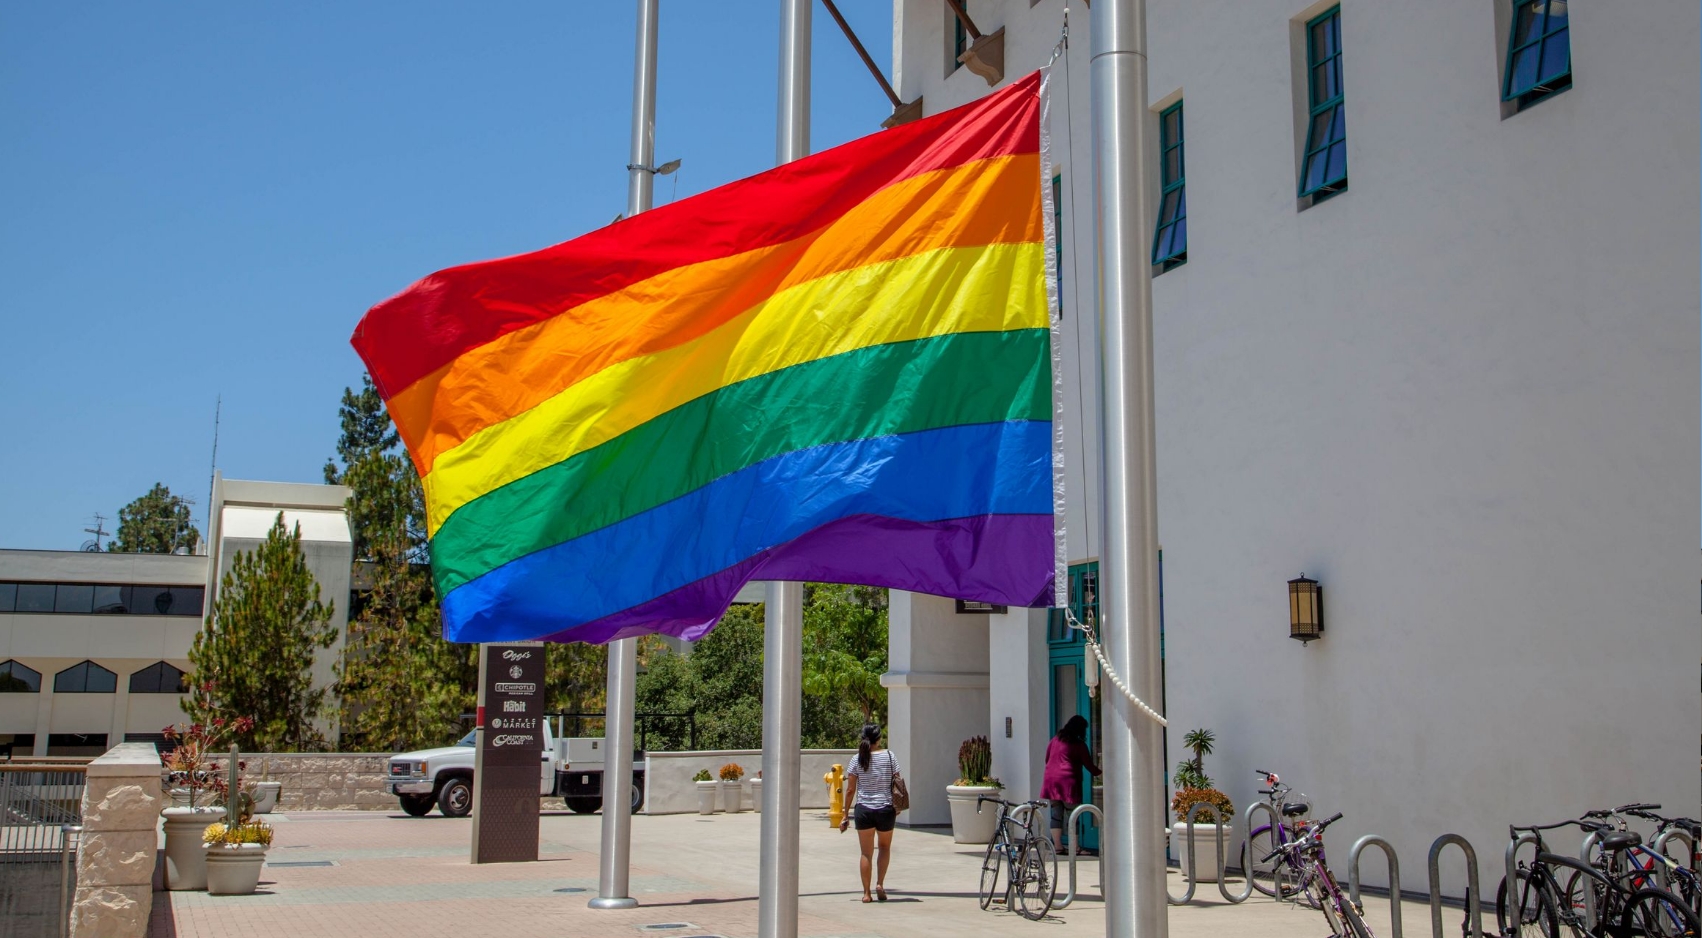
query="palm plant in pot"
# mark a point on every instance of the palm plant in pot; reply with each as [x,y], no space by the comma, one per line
[197,785]
[970,822]
[706,789]
[1192,787]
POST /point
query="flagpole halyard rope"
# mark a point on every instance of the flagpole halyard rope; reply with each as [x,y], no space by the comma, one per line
[1110,672]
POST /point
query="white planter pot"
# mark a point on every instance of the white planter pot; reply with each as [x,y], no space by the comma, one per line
[755,786]
[968,826]
[732,797]
[266,796]
[234,870]
[1205,840]
[185,859]
[706,796]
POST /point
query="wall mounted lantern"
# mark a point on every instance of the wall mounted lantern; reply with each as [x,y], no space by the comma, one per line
[1305,609]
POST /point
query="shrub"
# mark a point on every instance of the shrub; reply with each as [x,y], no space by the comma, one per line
[1184,801]
[702,776]
[732,772]
[248,832]
[975,761]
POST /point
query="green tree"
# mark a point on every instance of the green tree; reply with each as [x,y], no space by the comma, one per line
[402,685]
[845,647]
[157,523]
[254,657]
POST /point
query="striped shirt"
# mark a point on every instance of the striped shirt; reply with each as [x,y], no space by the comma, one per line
[874,784]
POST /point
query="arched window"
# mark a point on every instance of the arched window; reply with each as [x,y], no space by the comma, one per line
[15,678]
[159,678]
[85,677]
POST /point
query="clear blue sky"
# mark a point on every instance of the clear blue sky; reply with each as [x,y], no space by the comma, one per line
[203,198]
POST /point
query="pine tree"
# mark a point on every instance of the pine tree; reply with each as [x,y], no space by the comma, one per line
[157,523]
[255,656]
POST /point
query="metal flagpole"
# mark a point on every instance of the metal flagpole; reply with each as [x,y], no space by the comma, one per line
[1133,850]
[783,611]
[614,860]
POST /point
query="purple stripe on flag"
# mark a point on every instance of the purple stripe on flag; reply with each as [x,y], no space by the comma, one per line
[1003,559]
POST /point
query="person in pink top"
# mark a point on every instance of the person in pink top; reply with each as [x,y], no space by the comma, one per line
[1066,756]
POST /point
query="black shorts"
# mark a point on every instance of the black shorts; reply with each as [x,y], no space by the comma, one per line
[881,819]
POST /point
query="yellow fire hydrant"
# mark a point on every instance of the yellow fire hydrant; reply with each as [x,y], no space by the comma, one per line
[835,795]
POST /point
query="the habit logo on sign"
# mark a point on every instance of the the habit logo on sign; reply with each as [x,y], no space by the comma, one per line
[514,706]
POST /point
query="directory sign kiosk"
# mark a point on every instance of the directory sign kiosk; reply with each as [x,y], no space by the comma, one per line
[508,767]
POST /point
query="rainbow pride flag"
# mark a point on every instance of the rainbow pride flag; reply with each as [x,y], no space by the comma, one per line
[838,370]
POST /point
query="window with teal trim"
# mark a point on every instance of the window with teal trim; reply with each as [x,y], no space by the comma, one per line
[1539,52]
[1323,172]
[1084,604]
[1170,240]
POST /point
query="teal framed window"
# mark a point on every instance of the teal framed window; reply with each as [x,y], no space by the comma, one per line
[1084,603]
[1170,239]
[1539,52]
[1323,171]
[959,40]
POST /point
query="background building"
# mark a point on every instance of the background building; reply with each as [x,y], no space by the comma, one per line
[1426,327]
[94,646]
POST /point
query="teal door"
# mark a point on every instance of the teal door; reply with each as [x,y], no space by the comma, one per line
[1067,660]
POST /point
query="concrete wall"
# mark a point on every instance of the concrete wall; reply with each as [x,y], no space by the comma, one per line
[668,788]
[116,856]
[1462,394]
[326,781]
[937,695]
[1017,679]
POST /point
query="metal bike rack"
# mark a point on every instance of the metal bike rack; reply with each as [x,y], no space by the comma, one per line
[1474,892]
[1590,840]
[1276,825]
[1671,834]
[1070,844]
[1222,860]
[1372,840]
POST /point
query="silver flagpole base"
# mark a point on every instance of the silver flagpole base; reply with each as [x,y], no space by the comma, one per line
[613,902]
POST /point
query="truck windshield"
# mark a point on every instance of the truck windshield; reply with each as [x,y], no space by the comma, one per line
[466,740]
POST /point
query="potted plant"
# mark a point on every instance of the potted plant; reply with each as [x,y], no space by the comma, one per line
[753,786]
[706,788]
[235,855]
[972,823]
[197,786]
[731,790]
[1193,787]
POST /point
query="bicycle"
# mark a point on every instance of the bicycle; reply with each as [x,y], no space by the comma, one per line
[1639,864]
[1306,851]
[1027,862]
[1266,838]
[1620,911]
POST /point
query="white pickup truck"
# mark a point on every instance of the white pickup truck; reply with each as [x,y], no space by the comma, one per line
[569,768]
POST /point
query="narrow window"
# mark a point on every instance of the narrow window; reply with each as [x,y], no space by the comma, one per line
[1539,52]
[959,37]
[85,677]
[1170,240]
[17,678]
[1058,231]
[1324,170]
[8,596]
[159,678]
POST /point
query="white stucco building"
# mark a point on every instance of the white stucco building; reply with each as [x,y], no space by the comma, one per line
[1451,373]
[94,646]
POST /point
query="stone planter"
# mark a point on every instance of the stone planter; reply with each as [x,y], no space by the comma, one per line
[706,796]
[1205,840]
[968,826]
[233,869]
[733,796]
[185,858]
[754,788]
[266,796]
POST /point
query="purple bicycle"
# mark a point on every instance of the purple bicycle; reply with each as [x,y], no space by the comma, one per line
[1266,842]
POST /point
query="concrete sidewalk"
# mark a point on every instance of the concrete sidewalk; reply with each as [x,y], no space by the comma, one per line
[366,874]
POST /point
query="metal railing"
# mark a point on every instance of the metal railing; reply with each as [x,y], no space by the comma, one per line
[40,814]
[1073,845]
[1372,840]
[1222,858]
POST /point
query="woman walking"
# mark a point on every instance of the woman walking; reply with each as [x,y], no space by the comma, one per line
[869,793]
[1066,756]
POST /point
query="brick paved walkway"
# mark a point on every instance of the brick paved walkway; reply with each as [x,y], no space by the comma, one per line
[373,875]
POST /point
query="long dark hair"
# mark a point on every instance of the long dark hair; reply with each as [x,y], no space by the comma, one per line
[865,747]
[1074,730]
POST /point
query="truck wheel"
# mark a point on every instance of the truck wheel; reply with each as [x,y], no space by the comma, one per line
[417,805]
[455,798]
[583,805]
[637,796]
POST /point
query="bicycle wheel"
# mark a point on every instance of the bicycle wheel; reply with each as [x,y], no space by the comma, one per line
[991,864]
[1656,913]
[1261,874]
[1537,916]
[1038,881]
[1356,927]
[1606,901]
